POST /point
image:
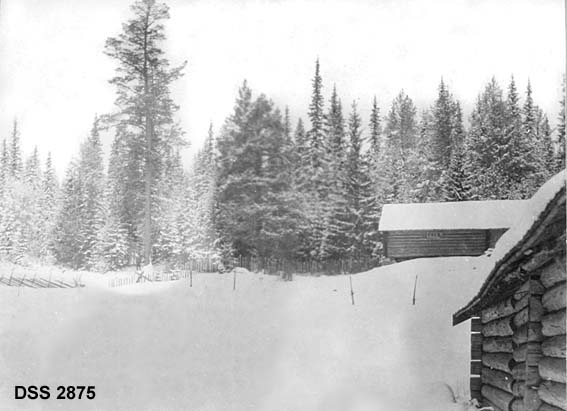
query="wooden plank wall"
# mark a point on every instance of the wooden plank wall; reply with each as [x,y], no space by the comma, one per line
[476,358]
[523,341]
[424,243]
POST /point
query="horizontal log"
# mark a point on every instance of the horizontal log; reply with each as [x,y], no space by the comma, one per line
[523,302]
[553,369]
[530,287]
[531,400]
[553,324]
[476,340]
[498,379]
[530,332]
[491,405]
[553,393]
[554,298]
[529,375]
[498,397]
[497,344]
[529,352]
[498,328]
[476,325]
[539,260]
[554,346]
[553,274]
[502,309]
[517,405]
[499,361]
[533,313]
[518,388]
[476,354]
[476,367]
[548,407]
[475,384]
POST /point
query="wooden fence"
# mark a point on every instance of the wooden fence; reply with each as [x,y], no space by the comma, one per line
[156,276]
[334,266]
[38,282]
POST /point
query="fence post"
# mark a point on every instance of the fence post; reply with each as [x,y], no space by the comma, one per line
[351,290]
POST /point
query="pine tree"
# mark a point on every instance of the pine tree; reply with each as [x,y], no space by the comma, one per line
[144,104]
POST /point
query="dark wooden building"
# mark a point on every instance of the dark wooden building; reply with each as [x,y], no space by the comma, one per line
[466,228]
[518,317]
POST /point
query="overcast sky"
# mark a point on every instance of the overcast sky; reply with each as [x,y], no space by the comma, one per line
[54,75]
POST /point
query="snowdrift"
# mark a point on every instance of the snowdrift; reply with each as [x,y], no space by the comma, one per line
[269,345]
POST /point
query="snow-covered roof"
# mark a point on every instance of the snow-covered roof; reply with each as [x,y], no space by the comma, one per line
[480,215]
[520,236]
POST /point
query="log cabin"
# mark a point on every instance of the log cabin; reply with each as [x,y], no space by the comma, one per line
[518,316]
[465,228]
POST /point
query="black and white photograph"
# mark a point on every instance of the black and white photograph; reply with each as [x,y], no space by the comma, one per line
[283,205]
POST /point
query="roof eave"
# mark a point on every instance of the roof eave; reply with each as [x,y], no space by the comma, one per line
[511,260]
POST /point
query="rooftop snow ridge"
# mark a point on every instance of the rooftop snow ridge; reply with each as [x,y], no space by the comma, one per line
[481,215]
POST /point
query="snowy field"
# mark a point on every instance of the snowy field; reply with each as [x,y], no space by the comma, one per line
[270,345]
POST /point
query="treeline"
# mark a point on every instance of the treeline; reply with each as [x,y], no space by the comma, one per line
[264,188]
[143,206]
[316,193]
[308,192]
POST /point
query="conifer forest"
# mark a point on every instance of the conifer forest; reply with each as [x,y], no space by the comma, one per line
[263,184]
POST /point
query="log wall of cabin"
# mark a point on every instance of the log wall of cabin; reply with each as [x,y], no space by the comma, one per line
[523,341]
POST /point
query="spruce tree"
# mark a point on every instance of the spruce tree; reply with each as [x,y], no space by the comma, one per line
[68,233]
[92,174]
[316,116]
[375,130]
[361,219]
[15,153]
[486,144]
[443,122]
[400,140]
[4,167]
[561,130]
[49,209]
[287,124]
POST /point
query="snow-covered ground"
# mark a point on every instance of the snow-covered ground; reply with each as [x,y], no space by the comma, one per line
[269,345]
